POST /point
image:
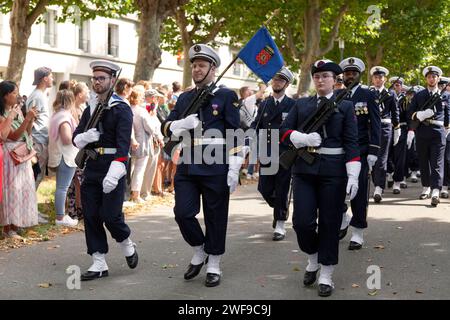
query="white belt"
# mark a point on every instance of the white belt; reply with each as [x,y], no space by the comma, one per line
[435,122]
[328,151]
[386,121]
[102,150]
[403,123]
[206,141]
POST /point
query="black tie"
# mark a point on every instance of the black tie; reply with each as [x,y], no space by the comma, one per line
[349,94]
[277,103]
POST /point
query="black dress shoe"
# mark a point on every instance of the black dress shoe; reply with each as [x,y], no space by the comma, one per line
[309,278]
[396,191]
[390,184]
[343,233]
[435,201]
[444,195]
[354,245]
[212,279]
[193,271]
[325,290]
[278,236]
[377,198]
[403,185]
[132,260]
[91,275]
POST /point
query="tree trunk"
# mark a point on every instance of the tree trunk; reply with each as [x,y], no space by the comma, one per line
[311,44]
[312,38]
[187,71]
[373,59]
[20,23]
[149,52]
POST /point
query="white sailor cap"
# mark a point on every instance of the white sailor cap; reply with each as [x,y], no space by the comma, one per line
[396,79]
[416,88]
[352,63]
[379,70]
[444,80]
[205,52]
[105,66]
[286,74]
[433,69]
[326,65]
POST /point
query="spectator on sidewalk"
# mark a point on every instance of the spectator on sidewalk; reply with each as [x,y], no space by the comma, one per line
[81,93]
[62,152]
[19,206]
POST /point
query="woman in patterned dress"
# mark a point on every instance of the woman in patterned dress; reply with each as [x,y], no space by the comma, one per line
[19,205]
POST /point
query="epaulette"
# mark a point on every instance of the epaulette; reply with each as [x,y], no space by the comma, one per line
[364,86]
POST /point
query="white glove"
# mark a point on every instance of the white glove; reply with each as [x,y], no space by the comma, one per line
[410,138]
[83,139]
[371,159]
[188,123]
[305,140]
[116,171]
[353,169]
[234,166]
[397,133]
[422,115]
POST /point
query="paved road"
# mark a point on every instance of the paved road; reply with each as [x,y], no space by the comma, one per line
[412,241]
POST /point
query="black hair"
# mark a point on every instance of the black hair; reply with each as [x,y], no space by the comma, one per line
[6,87]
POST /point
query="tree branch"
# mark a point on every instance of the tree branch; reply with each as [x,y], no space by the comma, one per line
[36,12]
[214,30]
[335,32]
[290,43]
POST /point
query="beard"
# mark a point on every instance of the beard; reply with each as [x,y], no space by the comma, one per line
[277,91]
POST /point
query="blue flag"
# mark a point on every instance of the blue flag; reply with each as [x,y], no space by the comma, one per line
[261,55]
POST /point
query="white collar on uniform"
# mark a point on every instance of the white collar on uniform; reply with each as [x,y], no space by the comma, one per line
[279,99]
[328,96]
[354,89]
[435,90]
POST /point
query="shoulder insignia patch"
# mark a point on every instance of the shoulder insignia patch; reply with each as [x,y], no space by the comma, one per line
[236,104]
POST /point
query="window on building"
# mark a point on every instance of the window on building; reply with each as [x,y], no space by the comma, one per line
[113,40]
[84,42]
[237,67]
[50,28]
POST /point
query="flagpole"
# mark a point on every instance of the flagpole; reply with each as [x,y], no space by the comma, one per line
[274,13]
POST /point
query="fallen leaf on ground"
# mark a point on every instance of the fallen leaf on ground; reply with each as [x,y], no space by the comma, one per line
[373,293]
[399,228]
[296,269]
[379,247]
[419,291]
[45,285]
[355,285]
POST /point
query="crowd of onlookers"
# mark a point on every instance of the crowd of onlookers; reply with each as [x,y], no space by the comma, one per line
[42,136]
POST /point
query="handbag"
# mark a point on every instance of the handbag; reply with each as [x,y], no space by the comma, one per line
[21,153]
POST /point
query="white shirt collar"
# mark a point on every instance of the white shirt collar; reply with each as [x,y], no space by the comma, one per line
[355,88]
[328,96]
[279,99]
[435,90]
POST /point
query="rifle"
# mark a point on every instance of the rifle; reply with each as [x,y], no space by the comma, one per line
[202,98]
[87,151]
[316,120]
[428,105]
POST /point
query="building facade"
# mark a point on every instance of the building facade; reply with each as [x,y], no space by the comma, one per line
[67,48]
